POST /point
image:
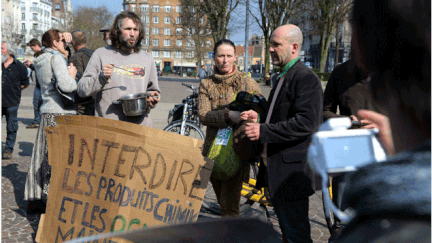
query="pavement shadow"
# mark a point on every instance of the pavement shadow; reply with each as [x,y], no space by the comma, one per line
[18,178]
[26,148]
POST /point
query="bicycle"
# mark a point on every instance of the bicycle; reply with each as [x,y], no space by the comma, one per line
[183,119]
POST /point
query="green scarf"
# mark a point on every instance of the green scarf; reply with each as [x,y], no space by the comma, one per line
[288,66]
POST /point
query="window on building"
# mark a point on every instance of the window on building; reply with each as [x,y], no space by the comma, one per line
[57,6]
[145,41]
[133,8]
[179,9]
[145,8]
[35,17]
[23,26]
[23,16]
[156,20]
[155,53]
[167,31]
[240,61]
[147,30]
[35,27]
[190,54]
[126,7]
[208,43]
[155,31]
[167,54]
[167,9]
[167,20]
[179,31]
[155,42]
[167,42]
[179,42]
[156,9]
[178,54]
[178,20]
[146,19]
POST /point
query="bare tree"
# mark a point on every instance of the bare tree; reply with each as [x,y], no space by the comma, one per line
[272,14]
[327,15]
[218,14]
[90,20]
[196,29]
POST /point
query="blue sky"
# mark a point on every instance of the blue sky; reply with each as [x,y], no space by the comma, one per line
[238,18]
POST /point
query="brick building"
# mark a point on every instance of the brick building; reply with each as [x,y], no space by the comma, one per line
[164,37]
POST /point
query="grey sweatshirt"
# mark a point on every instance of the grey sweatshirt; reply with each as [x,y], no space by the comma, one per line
[45,70]
[121,82]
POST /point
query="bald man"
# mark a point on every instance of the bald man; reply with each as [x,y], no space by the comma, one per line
[294,115]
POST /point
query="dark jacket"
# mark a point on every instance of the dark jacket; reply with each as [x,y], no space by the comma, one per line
[13,77]
[296,116]
[349,89]
[81,58]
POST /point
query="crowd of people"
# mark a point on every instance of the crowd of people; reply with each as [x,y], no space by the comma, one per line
[385,85]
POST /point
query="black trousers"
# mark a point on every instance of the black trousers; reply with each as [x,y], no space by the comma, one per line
[293,219]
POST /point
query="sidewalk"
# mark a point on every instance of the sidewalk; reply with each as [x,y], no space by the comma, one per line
[19,227]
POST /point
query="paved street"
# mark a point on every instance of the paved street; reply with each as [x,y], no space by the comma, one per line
[19,227]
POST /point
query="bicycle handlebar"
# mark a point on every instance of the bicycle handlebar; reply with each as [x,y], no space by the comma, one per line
[189,86]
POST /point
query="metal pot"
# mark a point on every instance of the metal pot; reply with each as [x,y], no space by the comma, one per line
[133,104]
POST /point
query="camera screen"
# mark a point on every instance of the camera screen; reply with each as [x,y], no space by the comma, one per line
[342,152]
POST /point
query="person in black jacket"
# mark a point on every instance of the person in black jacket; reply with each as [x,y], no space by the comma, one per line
[80,60]
[294,115]
[14,80]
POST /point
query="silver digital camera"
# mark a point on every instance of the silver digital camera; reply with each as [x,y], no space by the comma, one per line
[336,149]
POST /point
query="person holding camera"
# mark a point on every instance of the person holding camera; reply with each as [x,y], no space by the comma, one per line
[49,64]
[392,199]
[294,115]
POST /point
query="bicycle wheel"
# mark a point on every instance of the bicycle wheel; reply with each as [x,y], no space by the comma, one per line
[210,202]
[190,130]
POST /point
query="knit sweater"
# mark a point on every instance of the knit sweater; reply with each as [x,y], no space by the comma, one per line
[215,93]
[47,68]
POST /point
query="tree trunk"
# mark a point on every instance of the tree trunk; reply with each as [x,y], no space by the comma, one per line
[325,44]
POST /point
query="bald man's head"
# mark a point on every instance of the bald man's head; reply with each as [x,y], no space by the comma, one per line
[285,44]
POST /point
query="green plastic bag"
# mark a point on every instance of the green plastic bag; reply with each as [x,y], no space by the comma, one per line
[226,162]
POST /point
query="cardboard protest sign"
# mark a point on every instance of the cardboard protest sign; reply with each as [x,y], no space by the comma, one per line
[113,176]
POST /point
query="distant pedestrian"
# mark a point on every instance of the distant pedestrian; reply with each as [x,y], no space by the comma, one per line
[201,73]
[106,33]
[210,71]
[14,80]
[35,46]
[80,60]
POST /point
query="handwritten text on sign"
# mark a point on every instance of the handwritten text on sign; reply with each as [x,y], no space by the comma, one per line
[106,182]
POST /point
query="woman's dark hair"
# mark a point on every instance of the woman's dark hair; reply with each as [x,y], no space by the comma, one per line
[48,39]
[393,39]
[115,31]
[223,42]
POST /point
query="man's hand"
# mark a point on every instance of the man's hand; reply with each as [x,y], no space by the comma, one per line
[252,131]
[249,114]
[383,124]
[153,99]
[108,70]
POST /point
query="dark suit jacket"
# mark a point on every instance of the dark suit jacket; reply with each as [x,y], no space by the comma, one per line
[296,116]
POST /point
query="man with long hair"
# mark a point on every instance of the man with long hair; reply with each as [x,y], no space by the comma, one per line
[120,69]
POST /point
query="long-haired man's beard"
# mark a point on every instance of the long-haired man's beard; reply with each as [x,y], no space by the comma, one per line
[125,46]
[4,57]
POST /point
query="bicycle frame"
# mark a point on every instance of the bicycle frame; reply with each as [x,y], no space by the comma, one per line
[184,118]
